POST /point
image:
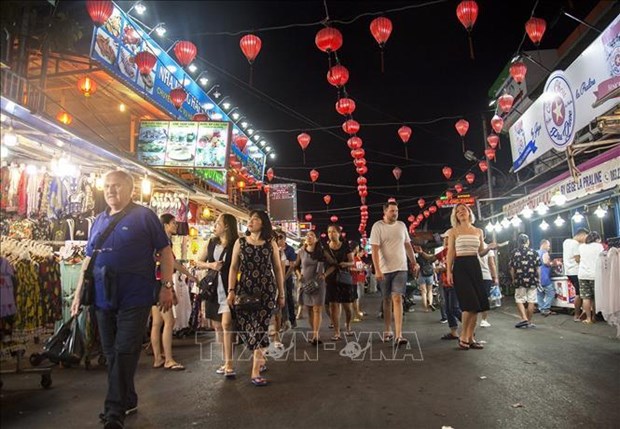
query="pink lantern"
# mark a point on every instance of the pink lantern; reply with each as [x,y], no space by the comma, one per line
[470,177]
[427,213]
[333,219]
[304,140]
[449,194]
[354,143]
[497,123]
[462,126]
[351,127]
[327,199]
[458,188]
[421,203]
[270,174]
[405,134]
[308,217]
[490,154]
[483,165]
[505,102]
[314,175]
[411,218]
[493,140]
[432,209]
[447,172]
[397,172]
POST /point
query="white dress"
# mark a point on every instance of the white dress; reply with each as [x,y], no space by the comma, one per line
[221,287]
[183,309]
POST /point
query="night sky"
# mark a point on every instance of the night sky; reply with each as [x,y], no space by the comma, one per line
[429,83]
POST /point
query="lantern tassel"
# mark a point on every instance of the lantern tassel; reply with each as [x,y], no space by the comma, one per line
[312,187]
[406,153]
[251,68]
[304,156]
[471,46]
[463,144]
[382,68]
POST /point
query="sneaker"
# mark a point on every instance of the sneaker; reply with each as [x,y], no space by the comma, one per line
[531,325]
[484,324]
[522,324]
[443,321]
[132,410]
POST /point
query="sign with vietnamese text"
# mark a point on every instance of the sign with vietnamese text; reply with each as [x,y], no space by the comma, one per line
[282,202]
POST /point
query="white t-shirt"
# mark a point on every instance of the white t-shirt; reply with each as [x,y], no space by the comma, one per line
[391,239]
[484,265]
[588,254]
[570,249]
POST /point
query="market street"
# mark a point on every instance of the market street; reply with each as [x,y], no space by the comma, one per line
[561,374]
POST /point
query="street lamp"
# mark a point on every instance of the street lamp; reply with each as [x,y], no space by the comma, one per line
[139,7]
[160,29]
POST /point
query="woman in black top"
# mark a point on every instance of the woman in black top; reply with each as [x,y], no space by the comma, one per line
[339,257]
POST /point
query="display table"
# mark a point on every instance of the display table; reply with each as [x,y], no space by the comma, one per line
[564,292]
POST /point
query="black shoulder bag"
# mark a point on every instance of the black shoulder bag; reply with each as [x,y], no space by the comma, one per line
[87,294]
[208,284]
[343,276]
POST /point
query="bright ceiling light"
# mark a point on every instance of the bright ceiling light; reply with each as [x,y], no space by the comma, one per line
[203,81]
[505,222]
[4,152]
[192,68]
[558,199]
[122,107]
[527,212]
[600,212]
[244,125]
[139,7]
[541,209]
[577,217]
[226,105]
[263,143]
[272,155]
[235,115]
[256,137]
[268,149]
[146,186]
[559,221]
[515,221]
[9,138]
[250,131]
[544,225]
[498,227]
[160,29]
[489,227]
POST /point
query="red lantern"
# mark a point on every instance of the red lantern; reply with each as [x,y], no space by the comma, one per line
[470,177]
[483,165]
[333,219]
[535,29]
[449,194]
[250,46]
[364,208]
[420,217]
[200,117]
[358,153]
[397,172]
[432,209]
[64,117]
[338,75]
[351,127]
[427,213]
[361,170]
[328,39]
[354,143]
[145,62]
[327,199]
[461,127]
[87,86]
[270,174]
[458,188]
[314,175]
[505,102]
[304,140]
[362,188]
[99,10]
[447,172]
[421,203]
[467,13]
[411,218]
[361,180]
[308,217]
[266,189]
[497,123]
[493,140]
[358,162]
[363,193]
[345,106]
[490,154]
[381,28]
[185,52]
[518,71]
[241,141]
[439,202]
[178,97]
[405,133]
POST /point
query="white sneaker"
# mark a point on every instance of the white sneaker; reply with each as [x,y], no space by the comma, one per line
[484,324]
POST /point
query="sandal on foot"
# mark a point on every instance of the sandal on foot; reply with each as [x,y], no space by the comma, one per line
[449,336]
[259,381]
[463,345]
[348,333]
[262,368]
[336,338]
[475,345]
[175,367]
[221,370]
[159,365]
[400,341]
[387,336]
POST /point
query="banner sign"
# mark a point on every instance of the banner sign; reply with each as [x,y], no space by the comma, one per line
[253,160]
[282,202]
[571,99]
[215,178]
[603,176]
[185,144]
[466,199]
[114,46]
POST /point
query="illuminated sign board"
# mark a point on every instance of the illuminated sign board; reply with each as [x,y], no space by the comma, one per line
[282,202]
[466,199]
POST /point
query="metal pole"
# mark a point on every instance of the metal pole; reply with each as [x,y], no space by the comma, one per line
[490,186]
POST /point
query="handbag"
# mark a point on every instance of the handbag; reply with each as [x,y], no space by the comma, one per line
[208,284]
[87,293]
[248,302]
[310,288]
[342,276]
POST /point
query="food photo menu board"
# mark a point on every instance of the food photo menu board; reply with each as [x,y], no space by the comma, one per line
[184,144]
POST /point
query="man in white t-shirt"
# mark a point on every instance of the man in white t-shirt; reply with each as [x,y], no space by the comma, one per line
[570,260]
[391,246]
[489,279]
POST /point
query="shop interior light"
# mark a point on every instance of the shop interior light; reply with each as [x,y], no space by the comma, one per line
[62,167]
[558,199]
[515,221]
[4,152]
[31,170]
[9,138]
[256,137]
[206,212]
[542,208]
[490,227]
[192,68]
[544,225]
[99,183]
[146,186]
[232,178]
[498,227]
[122,107]
[272,155]
[527,212]
[235,115]
[559,221]
[263,143]
[250,131]
[268,149]
[577,217]
[244,125]
[600,212]
[505,222]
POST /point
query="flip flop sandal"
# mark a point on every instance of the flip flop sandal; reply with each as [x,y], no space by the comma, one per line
[449,336]
[158,365]
[400,341]
[463,345]
[259,381]
[476,346]
[387,337]
[229,373]
[336,338]
[348,333]
[263,368]
[175,367]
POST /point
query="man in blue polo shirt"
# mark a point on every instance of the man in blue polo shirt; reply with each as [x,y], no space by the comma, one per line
[125,288]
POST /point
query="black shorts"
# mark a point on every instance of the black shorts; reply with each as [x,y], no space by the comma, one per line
[575,281]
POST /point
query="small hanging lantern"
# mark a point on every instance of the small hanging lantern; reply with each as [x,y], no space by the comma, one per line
[333,219]
[87,86]
[351,126]
[505,102]
[200,117]
[462,126]
[458,188]
[250,46]
[467,13]
[64,117]
[328,39]
[426,213]
[314,175]
[178,97]
[411,218]
[354,143]
[405,134]
[518,70]
[266,189]
[345,106]
[185,52]
[99,10]
[535,29]
[381,29]
[269,174]
[327,199]
[432,209]
[447,172]
[361,170]
[497,123]
[493,140]
[397,172]
[338,75]
[470,177]
[359,162]
[439,202]
[483,165]
[241,141]
[449,194]
[308,217]
[304,140]
[358,153]
[421,203]
[490,154]
[361,180]
[145,62]
[241,185]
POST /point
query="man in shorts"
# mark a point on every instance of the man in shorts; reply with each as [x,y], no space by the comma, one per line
[391,246]
[524,266]
[570,260]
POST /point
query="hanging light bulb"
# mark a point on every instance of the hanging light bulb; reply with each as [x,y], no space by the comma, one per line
[99,183]
[600,212]
[559,221]
[558,198]
[541,209]
[9,138]
[544,225]
[498,227]
[490,227]
[122,107]
[146,186]
[206,212]
[505,222]
[527,212]
[515,221]
[577,217]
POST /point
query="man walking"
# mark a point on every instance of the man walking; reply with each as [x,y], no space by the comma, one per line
[546,290]
[125,287]
[570,260]
[391,246]
[525,273]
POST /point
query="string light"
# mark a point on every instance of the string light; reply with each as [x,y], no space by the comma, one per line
[577,217]
[527,212]
[515,221]
[600,212]
[559,221]
[544,225]
[146,186]
[542,209]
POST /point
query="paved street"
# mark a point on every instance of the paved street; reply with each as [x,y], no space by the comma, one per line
[559,375]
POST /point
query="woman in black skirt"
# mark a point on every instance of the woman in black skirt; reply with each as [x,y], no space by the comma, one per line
[465,243]
[339,257]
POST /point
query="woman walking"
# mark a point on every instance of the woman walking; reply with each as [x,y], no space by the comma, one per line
[465,243]
[259,290]
[310,267]
[159,317]
[588,254]
[218,258]
[339,292]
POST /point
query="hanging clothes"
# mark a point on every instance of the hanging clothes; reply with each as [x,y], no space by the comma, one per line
[22,193]
[607,287]
[28,296]
[7,291]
